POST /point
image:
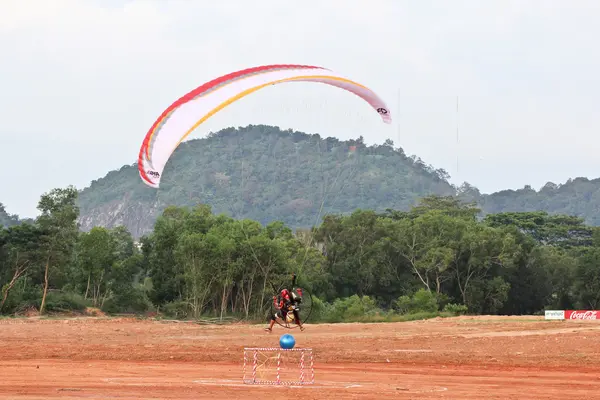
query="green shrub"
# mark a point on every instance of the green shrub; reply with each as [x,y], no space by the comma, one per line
[319,310]
[65,301]
[422,301]
[132,301]
[352,309]
[442,300]
[403,305]
[21,297]
[457,309]
[176,309]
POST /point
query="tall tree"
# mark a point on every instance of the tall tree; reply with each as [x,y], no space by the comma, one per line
[58,223]
[20,251]
[97,251]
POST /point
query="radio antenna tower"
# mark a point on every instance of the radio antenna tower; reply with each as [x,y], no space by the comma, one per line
[457,145]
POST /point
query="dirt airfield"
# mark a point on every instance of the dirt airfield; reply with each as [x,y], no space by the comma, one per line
[455,358]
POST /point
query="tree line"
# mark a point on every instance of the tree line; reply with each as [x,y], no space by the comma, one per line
[438,258]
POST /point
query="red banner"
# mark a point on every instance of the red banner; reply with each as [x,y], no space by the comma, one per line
[582,314]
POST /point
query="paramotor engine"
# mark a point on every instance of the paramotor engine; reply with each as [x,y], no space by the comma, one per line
[304,309]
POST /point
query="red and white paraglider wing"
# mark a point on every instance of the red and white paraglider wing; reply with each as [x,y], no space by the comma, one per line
[190,111]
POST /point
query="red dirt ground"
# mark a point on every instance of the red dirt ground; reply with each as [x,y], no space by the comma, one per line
[456,358]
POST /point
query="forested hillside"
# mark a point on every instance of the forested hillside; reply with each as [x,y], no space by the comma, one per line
[266,174]
[578,197]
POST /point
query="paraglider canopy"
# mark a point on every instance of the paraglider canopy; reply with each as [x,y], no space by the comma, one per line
[191,110]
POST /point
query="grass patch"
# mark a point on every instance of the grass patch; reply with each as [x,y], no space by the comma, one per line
[389,317]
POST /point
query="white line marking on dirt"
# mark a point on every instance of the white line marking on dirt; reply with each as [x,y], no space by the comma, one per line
[140,381]
[415,350]
[321,385]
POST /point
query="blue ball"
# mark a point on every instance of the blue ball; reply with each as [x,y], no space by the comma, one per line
[287,341]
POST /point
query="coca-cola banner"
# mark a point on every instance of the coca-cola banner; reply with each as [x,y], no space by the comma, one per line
[582,314]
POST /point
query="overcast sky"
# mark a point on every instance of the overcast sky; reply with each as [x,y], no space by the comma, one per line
[81,81]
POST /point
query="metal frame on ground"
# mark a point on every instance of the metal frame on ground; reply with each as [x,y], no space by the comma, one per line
[253,380]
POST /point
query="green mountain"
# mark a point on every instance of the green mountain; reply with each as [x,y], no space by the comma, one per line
[264,173]
[579,197]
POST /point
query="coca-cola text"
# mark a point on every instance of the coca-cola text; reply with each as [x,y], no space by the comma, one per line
[581,314]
